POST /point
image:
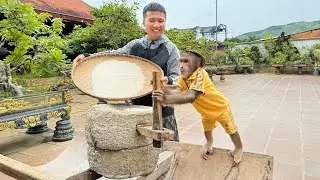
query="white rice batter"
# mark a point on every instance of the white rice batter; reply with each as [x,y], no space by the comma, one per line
[117,79]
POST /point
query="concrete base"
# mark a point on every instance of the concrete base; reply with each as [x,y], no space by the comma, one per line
[161,172]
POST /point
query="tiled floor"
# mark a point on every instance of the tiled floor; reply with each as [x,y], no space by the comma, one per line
[276,115]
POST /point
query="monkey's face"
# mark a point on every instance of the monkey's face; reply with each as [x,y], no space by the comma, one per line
[188,64]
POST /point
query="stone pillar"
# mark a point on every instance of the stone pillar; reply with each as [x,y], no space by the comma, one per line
[116,149]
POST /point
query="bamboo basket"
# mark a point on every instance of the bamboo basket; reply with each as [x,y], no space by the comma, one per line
[81,74]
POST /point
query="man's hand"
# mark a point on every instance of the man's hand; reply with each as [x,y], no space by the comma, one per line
[237,155]
[79,59]
[206,150]
[159,96]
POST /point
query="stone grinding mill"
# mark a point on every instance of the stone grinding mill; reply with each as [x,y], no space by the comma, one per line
[124,140]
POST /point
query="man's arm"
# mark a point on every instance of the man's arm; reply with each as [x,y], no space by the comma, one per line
[124,50]
[173,66]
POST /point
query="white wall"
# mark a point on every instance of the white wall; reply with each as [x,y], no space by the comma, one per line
[303,45]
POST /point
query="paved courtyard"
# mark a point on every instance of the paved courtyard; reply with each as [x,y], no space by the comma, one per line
[277,115]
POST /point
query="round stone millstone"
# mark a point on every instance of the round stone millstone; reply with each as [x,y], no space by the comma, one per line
[123,163]
[113,126]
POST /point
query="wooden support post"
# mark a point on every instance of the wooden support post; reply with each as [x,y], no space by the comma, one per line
[157,109]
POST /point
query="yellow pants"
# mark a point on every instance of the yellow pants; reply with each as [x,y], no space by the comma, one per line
[225,119]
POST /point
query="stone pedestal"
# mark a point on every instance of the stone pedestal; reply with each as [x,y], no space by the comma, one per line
[116,149]
[38,129]
[124,163]
[64,131]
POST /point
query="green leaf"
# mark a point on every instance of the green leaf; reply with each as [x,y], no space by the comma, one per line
[115,25]
[29,36]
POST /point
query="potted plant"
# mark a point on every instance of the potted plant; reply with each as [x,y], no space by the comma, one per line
[245,63]
[278,61]
[220,58]
[303,61]
[316,55]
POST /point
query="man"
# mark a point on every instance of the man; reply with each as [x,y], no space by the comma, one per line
[156,47]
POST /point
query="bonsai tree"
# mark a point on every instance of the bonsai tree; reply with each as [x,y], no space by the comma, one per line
[316,54]
[219,58]
[255,55]
[279,59]
[37,48]
[304,59]
[6,80]
[245,60]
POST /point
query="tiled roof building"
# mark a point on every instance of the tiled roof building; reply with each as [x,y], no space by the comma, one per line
[311,34]
[75,11]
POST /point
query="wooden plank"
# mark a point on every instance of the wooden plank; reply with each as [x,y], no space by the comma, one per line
[158,135]
[19,170]
[157,109]
[219,165]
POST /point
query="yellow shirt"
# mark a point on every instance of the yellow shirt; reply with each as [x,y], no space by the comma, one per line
[211,103]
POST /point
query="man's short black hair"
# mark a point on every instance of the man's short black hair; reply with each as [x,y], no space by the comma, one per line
[153,6]
[198,55]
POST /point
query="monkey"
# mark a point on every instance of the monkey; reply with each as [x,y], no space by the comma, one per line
[195,86]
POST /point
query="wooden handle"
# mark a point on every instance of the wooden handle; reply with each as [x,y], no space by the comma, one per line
[159,135]
[157,109]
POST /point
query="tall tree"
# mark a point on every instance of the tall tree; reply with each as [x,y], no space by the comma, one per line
[115,24]
[187,40]
[34,43]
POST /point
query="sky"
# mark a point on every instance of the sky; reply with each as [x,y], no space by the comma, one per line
[240,16]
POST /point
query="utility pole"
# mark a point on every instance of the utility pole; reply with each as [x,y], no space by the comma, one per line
[216,24]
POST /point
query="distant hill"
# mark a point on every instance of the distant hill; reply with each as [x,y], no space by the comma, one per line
[287,29]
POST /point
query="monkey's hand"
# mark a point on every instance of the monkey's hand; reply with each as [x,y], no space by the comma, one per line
[159,96]
[165,80]
[206,150]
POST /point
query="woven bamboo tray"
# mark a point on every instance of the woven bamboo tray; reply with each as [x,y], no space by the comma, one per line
[82,74]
